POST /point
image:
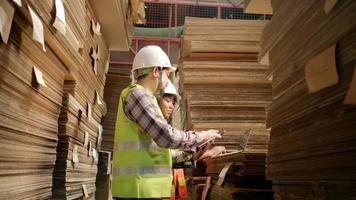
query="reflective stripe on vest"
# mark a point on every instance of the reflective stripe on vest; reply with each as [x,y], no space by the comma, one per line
[128,145]
[127,170]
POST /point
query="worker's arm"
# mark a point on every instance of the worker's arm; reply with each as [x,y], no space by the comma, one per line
[139,106]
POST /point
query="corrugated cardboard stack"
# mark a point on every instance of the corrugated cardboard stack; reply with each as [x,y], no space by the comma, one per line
[118,78]
[229,95]
[238,176]
[219,39]
[224,87]
[312,54]
[80,131]
[31,88]
[46,91]
[77,157]
[103,178]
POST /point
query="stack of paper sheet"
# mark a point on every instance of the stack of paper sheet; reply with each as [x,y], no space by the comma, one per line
[310,46]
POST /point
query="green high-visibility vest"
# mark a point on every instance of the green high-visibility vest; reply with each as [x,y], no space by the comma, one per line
[141,169]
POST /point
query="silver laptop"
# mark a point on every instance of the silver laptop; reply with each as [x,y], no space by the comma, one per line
[241,146]
[244,140]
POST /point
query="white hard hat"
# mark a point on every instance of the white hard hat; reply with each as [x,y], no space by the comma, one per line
[151,56]
[170,89]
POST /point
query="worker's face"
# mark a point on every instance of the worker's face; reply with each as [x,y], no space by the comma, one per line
[167,105]
[165,75]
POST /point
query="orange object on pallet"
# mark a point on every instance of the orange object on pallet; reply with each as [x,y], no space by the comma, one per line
[178,178]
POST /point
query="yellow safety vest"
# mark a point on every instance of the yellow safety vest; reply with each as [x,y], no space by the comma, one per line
[141,169]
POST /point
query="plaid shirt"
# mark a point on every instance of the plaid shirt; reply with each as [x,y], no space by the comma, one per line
[139,106]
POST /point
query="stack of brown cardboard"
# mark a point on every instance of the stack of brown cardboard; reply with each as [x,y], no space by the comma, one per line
[118,78]
[52,70]
[103,178]
[77,152]
[80,131]
[31,87]
[238,176]
[310,46]
[222,84]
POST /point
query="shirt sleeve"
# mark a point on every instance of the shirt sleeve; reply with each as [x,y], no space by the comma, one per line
[139,106]
[181,156]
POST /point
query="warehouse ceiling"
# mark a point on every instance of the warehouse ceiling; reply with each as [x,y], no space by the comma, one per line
[116,22]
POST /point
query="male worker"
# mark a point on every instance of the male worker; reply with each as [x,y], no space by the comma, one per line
[167,103]
[142,160]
